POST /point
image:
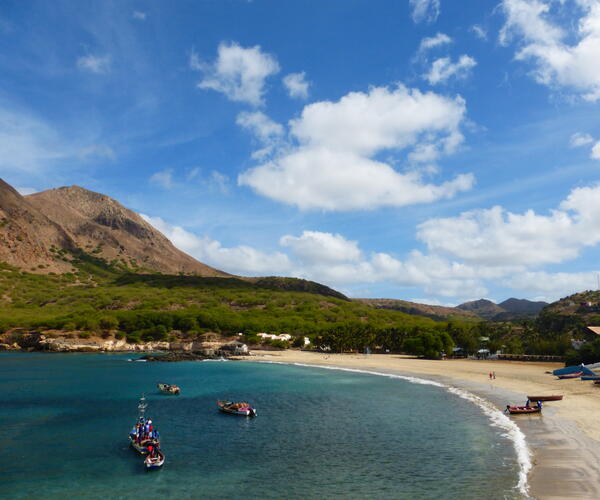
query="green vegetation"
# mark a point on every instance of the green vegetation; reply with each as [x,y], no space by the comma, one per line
[103,297]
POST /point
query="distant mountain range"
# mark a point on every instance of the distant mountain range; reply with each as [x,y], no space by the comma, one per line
[509,309]
[469,311]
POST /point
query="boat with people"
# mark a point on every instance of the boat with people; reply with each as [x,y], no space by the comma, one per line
[155,459]
[168,388]
[144,437]
[243,409]
[570,375]
[557,397]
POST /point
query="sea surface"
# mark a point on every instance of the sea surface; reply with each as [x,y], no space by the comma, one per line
[319,434]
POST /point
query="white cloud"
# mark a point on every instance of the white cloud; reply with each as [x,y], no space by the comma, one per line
[266,131]
[479,32]
[26,190]
[239,73]
[579,139]
[94,64]
[424,10]
[296,85]
[219,181]
[496,237]
[596,151]
[442,69]
[553,285]
[429,43]
[140,16]
[241,260]
[331,166]
[29,144]
[314,246]
[98,151]
[163,178]
[558,63]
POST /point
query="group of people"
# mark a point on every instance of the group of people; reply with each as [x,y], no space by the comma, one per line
[538,404]
[143,430]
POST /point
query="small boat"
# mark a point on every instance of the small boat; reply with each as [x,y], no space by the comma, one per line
[242,409]
[545,398]
[142,446]
[168,388]
[570,375]
[154,461]
[520,410]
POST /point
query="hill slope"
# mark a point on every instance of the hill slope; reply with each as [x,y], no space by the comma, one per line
[98,224]
[27,234]
[438,313]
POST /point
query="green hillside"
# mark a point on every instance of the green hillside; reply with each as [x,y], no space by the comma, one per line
[101,297]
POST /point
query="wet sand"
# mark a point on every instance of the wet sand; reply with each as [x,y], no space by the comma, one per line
[565,440]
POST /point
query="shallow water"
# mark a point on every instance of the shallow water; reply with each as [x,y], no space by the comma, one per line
[64,420]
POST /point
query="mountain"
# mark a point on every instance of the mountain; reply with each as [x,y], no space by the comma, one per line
[27,234]
[508,310]
[39,231]
[484,308]
[524,306]
[438,313]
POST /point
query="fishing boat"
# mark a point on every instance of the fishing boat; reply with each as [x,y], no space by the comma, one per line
[242,409]
[570,375]
[545,398]
[520,410]
[168,388]
[141,445]
[155,460]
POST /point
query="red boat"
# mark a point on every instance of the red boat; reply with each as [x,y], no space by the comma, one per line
[571,375]
[545,398]
[519,410]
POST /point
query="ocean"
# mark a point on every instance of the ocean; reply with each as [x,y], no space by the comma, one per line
[64,421]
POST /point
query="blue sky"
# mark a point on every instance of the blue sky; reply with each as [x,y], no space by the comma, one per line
[427,150]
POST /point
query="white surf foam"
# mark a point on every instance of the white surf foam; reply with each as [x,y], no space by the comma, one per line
[497,418]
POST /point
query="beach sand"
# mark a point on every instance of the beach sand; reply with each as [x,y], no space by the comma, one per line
[565,440]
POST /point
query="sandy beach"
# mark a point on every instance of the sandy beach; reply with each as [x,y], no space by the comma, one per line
[565,440]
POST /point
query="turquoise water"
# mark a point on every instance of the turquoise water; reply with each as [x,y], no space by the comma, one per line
[64,420]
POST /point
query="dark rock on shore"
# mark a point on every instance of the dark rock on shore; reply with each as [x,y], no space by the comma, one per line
[186,356]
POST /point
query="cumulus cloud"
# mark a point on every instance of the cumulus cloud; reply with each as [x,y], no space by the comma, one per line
[314,246]
[432,42]
[238,72]
[268,133]
[424,10]
[553,285]
[595,154]
[443,69]
[241,260]
[163,178]
[94,64]
[496,237]
[296,85]
[562,58]
[330,161]
[579,139]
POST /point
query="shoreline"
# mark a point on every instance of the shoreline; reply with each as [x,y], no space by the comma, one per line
[564,442]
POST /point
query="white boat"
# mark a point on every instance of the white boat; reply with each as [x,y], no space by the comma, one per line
[154,461]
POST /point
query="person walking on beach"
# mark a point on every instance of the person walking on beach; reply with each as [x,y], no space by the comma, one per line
[490,375]
[494,375]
